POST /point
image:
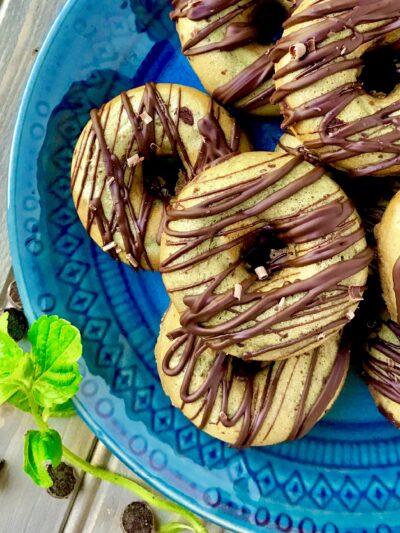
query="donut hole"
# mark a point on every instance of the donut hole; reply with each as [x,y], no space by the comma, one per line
[267,19]
[162,175]
[381,71]
[246,369]
[263,249]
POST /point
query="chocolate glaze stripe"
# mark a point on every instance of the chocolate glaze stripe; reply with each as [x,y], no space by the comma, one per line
[299,228]
[237,34]
[396,285]
[336,377]
[384,374]
[229,332]
[255,404]
[325,59]
[131,226]
[199,10]
[247,81]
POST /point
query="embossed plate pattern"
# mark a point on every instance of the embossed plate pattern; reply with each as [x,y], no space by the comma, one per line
[343,477]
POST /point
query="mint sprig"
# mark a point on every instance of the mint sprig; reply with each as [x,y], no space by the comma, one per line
[43,381]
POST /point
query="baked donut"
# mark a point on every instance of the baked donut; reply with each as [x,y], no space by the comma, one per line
[228,43]
[387,235]
[248,404]
[343,111]
[382,370]
[264,256]
[133,155]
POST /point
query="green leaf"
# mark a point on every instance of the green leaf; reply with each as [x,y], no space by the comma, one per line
[41,449]
[20,401]
[62,410]
[174,527]
[15,367]
[56,348]
[4,323]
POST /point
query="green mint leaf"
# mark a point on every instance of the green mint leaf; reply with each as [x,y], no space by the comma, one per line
[41,449]
[4,323]
[15,366]
[56,348]
[174,527]
[20,401]
[62,410]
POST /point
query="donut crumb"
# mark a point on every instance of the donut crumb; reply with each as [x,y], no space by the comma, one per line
[261,272]
[109,246]
[132,260]
[146,118]
[297,51]
[134,160]
[237,292]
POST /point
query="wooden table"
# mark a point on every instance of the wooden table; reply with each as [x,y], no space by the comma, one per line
[94,506]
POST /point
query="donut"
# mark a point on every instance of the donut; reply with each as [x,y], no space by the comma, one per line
[133,155]
[228,43]
[382,370]
[248,403]
[264,255]
[337,79]
[388,245]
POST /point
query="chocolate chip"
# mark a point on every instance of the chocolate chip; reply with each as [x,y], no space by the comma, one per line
[138,518]
[17,323]
[64,480]
[13,297]
[186,116]
[2,464]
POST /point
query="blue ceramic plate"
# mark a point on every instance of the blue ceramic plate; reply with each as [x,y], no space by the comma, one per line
[343,477]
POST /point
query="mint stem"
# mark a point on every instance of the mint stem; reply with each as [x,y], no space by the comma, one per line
[135,488]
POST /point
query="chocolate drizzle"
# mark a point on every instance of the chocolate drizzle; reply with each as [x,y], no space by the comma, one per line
[253,82]
[332,221]
[260,383]
[121,174]
[340,139]
[382,365]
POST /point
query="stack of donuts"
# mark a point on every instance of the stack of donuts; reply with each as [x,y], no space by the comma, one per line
[263,254]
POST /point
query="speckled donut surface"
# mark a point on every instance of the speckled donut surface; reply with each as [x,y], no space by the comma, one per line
[288,217]
[229,44]
[318,64]
[248,404]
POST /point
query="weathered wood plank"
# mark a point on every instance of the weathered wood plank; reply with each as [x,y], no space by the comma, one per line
[23,505]
[23,27]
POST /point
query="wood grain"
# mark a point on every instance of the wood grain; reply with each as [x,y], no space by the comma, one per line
[23,27]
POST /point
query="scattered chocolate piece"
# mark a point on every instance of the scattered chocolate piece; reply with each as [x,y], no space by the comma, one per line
[64,480]
[138,518]
[13,297]
[186,116]
[17,323]
[298,50]
[2,464]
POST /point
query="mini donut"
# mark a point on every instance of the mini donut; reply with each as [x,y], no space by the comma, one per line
[388,243]
[228,43]
[324,85]
[382,370]
[248,404]
[264,256]
[133,155]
